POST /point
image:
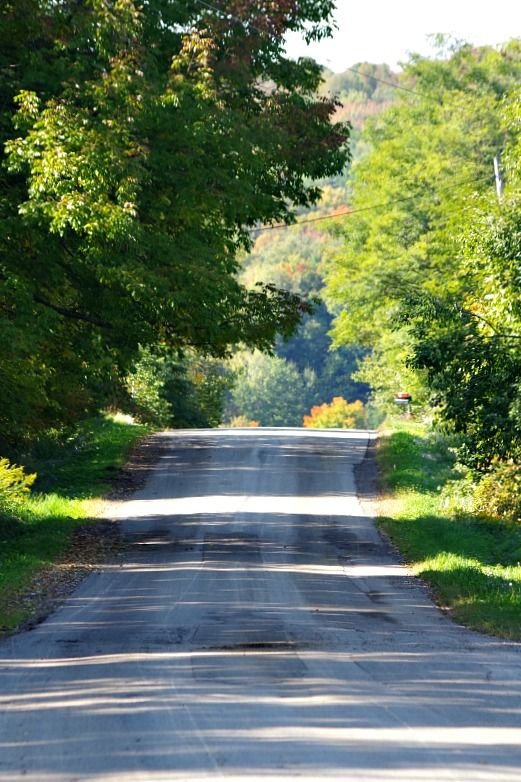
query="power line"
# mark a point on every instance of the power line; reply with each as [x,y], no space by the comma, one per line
[384,81]
[399,86]
[380,205]
[263,229]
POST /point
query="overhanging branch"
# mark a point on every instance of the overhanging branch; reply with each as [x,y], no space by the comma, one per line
[66,312]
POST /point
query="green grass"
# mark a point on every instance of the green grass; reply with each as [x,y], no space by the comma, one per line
[70,480]
[471,563]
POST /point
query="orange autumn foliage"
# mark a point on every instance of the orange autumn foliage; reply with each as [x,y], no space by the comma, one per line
[338,414]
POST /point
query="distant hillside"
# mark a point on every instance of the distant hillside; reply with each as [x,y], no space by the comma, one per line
[364,90]
[295,257]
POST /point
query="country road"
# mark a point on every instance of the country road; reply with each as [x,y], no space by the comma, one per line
[257,628]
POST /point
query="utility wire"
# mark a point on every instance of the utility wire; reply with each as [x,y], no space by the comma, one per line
[384,81]
[263,229]
[392,84]
[380,205]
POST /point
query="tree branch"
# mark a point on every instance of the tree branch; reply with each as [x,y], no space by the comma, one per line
[497,334]
[72,314]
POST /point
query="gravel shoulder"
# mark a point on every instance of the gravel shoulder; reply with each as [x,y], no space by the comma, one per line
[96,542]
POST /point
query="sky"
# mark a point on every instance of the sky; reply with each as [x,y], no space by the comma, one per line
[387,30]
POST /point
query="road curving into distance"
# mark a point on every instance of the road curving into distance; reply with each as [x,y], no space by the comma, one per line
[257,628]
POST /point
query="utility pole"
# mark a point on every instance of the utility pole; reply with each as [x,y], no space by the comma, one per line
[499,180]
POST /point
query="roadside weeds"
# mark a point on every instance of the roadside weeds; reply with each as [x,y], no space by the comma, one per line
[471,563]
[57,537]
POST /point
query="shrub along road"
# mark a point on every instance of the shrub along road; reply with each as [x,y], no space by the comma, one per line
[258,627]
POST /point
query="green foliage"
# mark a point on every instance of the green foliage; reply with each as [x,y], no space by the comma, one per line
[473,376]
[429,279]
[188,392]
[209,381]
[269,390]
[498,494]
[470,562]
[385,370]
[141,146]
[428,154]
[15,484]
[468,341]
[337,414]
[146,387]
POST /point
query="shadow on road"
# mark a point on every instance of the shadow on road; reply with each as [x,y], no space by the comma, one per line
[256,638]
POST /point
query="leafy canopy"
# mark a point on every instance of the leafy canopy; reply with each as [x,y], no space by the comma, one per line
[428,278]
[142,143]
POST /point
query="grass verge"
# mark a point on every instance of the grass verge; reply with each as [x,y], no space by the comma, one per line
[471,563]
[71,481]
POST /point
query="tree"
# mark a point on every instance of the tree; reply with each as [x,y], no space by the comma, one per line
[269,390]
[148,140]
[468,341]
[473,374]
[178,393]
[338,414]
[428,166]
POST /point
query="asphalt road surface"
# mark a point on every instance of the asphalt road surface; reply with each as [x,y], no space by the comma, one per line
[257,628]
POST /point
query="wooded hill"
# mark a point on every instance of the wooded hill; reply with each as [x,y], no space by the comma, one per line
[306,371]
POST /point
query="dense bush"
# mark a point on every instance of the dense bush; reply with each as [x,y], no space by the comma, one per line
[499,492]
[241,421]
[15,484]
[181,393]
[337,414]
[145,386]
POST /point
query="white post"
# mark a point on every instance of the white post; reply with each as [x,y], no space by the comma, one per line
[499,180]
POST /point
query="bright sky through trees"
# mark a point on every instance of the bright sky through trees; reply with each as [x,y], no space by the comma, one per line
[380,31]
